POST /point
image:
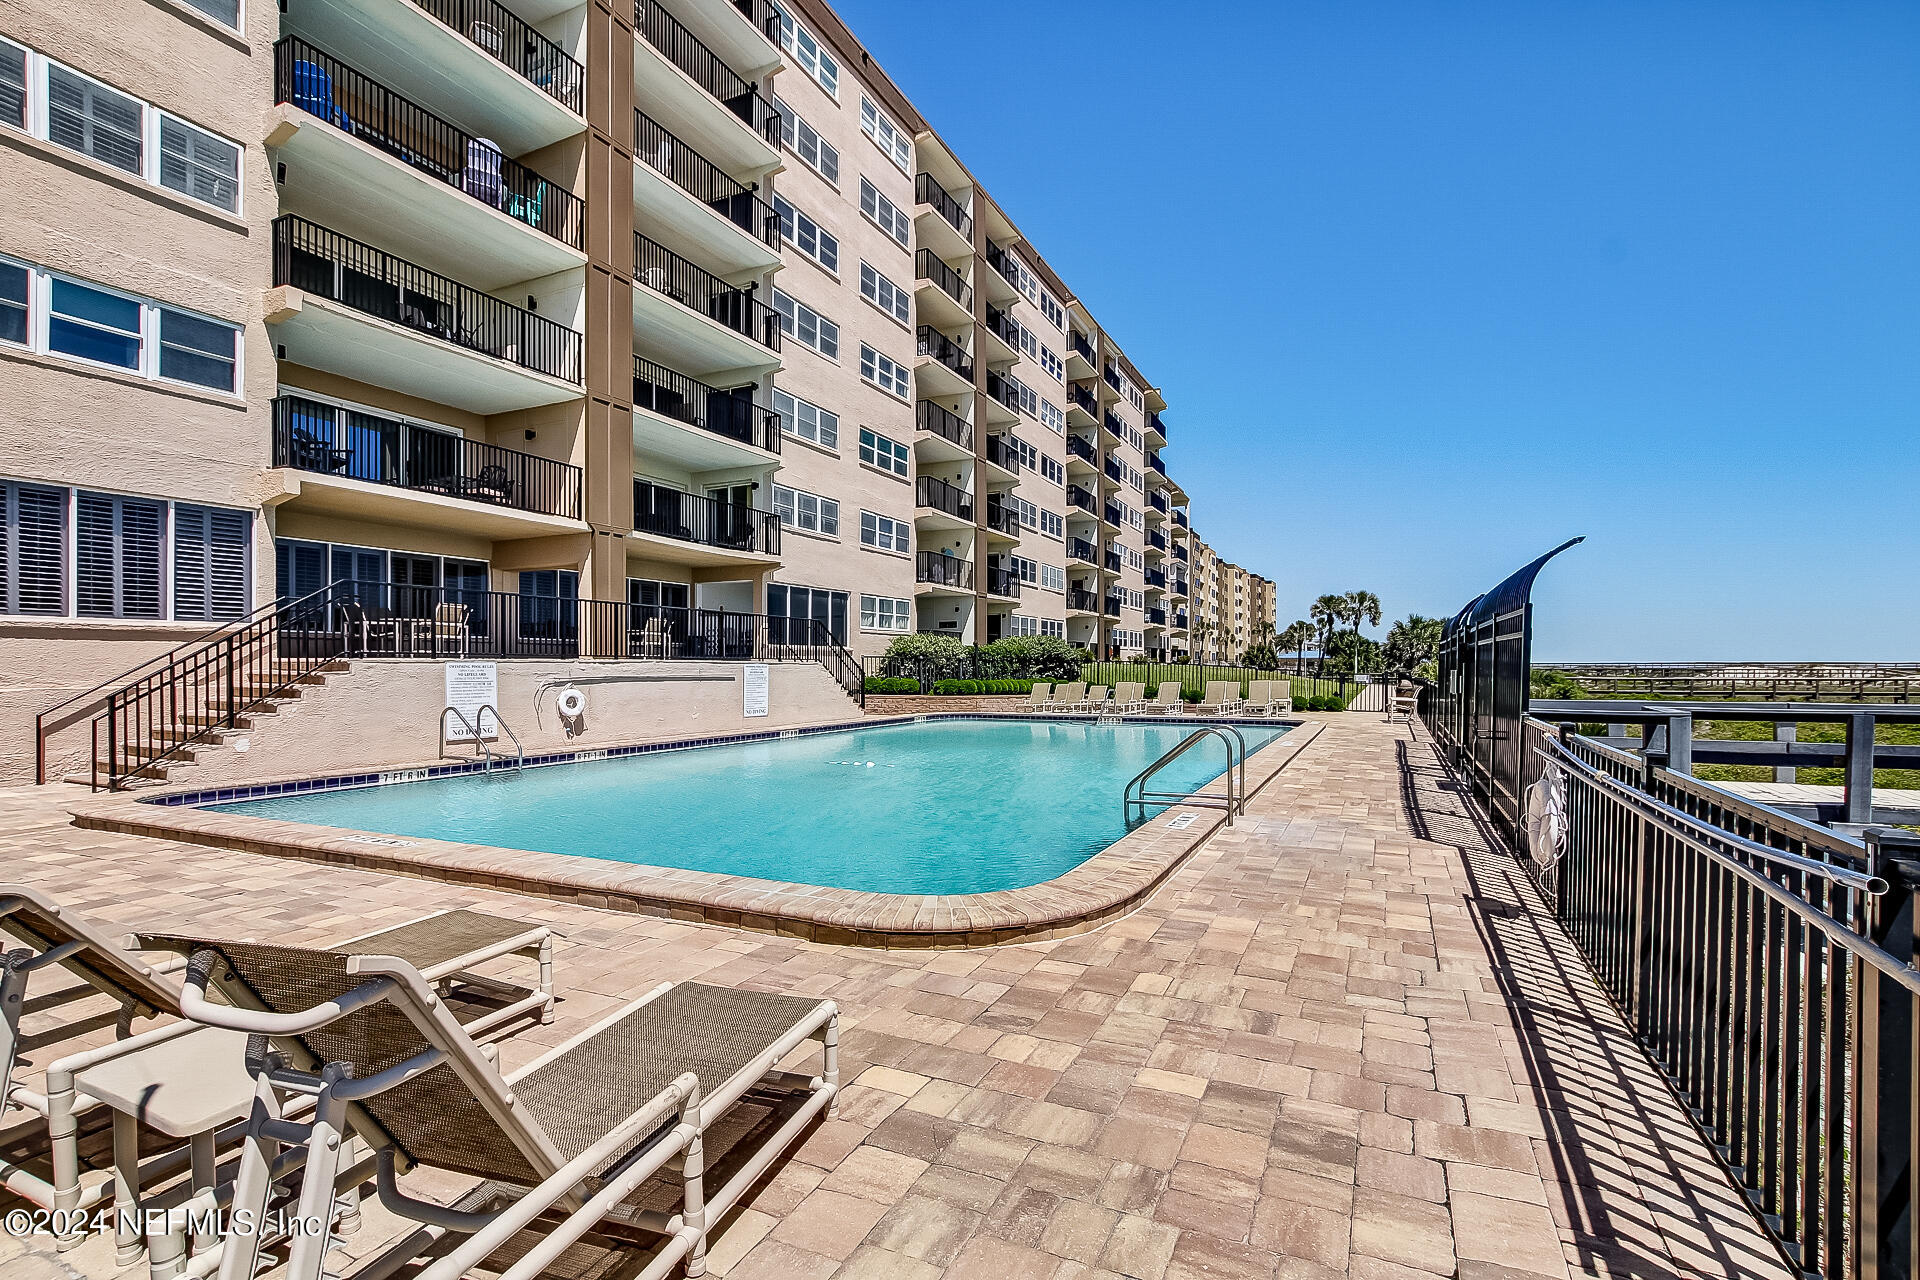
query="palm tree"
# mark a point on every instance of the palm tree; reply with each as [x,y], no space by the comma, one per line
[1297,637]
[1197,636]
[1359,607]
[1327,613]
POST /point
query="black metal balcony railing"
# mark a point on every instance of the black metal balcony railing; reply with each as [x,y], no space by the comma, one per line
[927,191]
[331,440]
[689,517]
[1114,472]
[509,40]
[1154,424]
[322,262]
[1157,617]
[1180,518]
[1158,501]
[1180,589]
[1111,374]
[1080,549]
[1112,560]
[927,265]
[1180,620]
[1111,606]
[1001,390]
[1082,601]
[667,273]
[1077,342]
[362,107]
[1003,519]
[939,346]
[928,416]
[1004,326]
[1156,578]
[1082,398]
[1153,460]
[1078,497]
[1000,454]
[939,495]
[943,570]
[1002,262]
[1002,582]
[1111,421]
[1180,554]
[1111,514]
[763,15]
[706,69]
[702,179]
[1083,449]
[732,414]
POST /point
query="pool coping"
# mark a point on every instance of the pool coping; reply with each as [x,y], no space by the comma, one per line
[1110,884]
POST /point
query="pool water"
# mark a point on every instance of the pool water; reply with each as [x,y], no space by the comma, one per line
[941,807]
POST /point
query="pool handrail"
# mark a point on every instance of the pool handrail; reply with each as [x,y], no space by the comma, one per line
[472,727]
[1137,796]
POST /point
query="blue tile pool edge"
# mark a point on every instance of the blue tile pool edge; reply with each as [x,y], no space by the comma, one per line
[398,775]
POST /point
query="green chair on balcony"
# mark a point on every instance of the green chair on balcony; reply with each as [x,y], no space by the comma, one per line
[528,208]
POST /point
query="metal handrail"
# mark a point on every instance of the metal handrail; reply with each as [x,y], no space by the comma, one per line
[500,721]
[1136,795]
[486,752]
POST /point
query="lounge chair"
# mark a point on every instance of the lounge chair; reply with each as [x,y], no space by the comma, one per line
[569,1141]
[1066,697]
[1040,696]
[1128,698]
[180,1080]
[1166,700]
[451,631]
[1094,703]
[1403,703]
[1262,700]
[1223,698]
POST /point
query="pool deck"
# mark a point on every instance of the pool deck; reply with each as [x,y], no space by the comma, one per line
[1102,889]
[1342,1040]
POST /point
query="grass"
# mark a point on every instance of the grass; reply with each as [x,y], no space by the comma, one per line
[1194,679]
[1745,731]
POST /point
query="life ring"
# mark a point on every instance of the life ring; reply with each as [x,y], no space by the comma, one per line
[572,703]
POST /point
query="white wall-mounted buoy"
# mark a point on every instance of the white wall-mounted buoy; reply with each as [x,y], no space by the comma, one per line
[572,703]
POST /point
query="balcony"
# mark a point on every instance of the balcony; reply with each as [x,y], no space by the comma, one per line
[1157,428]
[474,61]
[666,47]
[364,466]
[1110,422]
[1081,361]
[1180,519]
[1002,336]
[1113,471]
[1180,554]
[945,226]
[1110,374]
[1003,283]
[1082,407]
[1110,514]
[1156,617]
[374,159]
[1180,620]
[1110,560]
[941,504]
[1079,601]
[368,315]
[693,317]
[943,572]
[1111,606]
[1158,501]
[1002,519]
[1153,460]
[730,429]
[726,220]
[948,369]
[1080,498]
[947,437]
[1079,549]
[1002,406]
[1156,540]
[949,299]
[1002,583]
[1084,450]
[1000,455]
[1156,579]
[725,532]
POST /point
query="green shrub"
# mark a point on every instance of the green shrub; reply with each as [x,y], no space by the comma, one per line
[893,684]
[925,646]
[1335,704]
[1192,695]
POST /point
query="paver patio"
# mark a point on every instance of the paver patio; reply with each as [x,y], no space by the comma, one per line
[1344,1040]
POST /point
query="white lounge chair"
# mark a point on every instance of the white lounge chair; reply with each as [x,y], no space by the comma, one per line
[1128,699]
[1040,696]
[1264,701]
[1066,697]
[1096,701]
[1223,698]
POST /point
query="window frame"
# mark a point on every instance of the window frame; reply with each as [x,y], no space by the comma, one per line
[790,324]
[884,453]
[791,123]
[824,508]
[900,607]
[902,309]
[881,371]
[900,543]
[792,31]
[795,222]
[874,122]
[40,286]
[903,236]
[819,414]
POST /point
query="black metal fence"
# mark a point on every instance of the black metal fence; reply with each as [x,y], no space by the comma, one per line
[937,495]
[706,68]
[928,265]
[928,191]
[929,416]
[330,440]
[730,413]
[508,39]
[322,262]
[330,90]
[689,517]
[704,180]
[943,571]
[660,269]
[938,346]
[984,664]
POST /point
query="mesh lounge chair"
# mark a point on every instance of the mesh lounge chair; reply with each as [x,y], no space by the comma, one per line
[1166,700]
[179,1080]
[1223,698]
[1128,699]
[1066,697]
[1096,701]
[451,630]
[573,1139]
[1040,696]
[1262,700]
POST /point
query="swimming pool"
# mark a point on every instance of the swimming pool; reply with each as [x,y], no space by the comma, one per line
[941,807]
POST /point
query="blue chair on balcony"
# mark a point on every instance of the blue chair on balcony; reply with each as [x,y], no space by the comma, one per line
[313,94]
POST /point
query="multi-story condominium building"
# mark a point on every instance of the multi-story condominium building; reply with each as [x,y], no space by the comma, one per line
[1232,608]
[676,303]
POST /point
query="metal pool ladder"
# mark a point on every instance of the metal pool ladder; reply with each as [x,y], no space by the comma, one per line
[486,752]
[1136,795]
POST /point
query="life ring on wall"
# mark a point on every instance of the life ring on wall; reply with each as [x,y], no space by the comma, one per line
[572,703]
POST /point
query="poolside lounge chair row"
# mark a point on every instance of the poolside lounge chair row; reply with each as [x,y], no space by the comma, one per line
[328,1067]
[1222,697]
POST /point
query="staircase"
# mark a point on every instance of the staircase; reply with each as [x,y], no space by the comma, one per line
[163,755]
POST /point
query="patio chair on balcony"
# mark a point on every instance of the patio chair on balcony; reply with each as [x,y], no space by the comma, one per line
[492,484]
[311,453]
[652,640]
[313,94]
[481,179]
[528,209]
[452,631]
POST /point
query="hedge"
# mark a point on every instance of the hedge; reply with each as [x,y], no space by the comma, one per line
[884,684]
[953,687]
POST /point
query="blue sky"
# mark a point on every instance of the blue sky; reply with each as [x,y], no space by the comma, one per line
[1432,287]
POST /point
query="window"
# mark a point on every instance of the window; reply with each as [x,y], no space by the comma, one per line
[13,85]
[883,613]
[806,235]
[1051,469]
[1053,418]
[549,603]
[1029,342]
[1025,512]
[1056,314]
[884,213]
[883,371]
[195,163]
[645,593]
[64,317]
[806,421]
[812,608]
[1053,577]
[1022,453]
[1051,525]
[883,293]
[806,326]
[210,558]
[1051,362]
[33,555]
[1054,627]
[885,532]
[1023,569]
[225,12]
[886,135]
[801,139]
[118,570]
[799,509]
[878,451]
[806,51]
[84,115]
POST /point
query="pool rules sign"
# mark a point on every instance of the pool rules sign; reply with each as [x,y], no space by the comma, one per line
[471,686]
[754,690]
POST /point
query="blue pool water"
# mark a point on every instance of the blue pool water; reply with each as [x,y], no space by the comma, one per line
[954,806]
